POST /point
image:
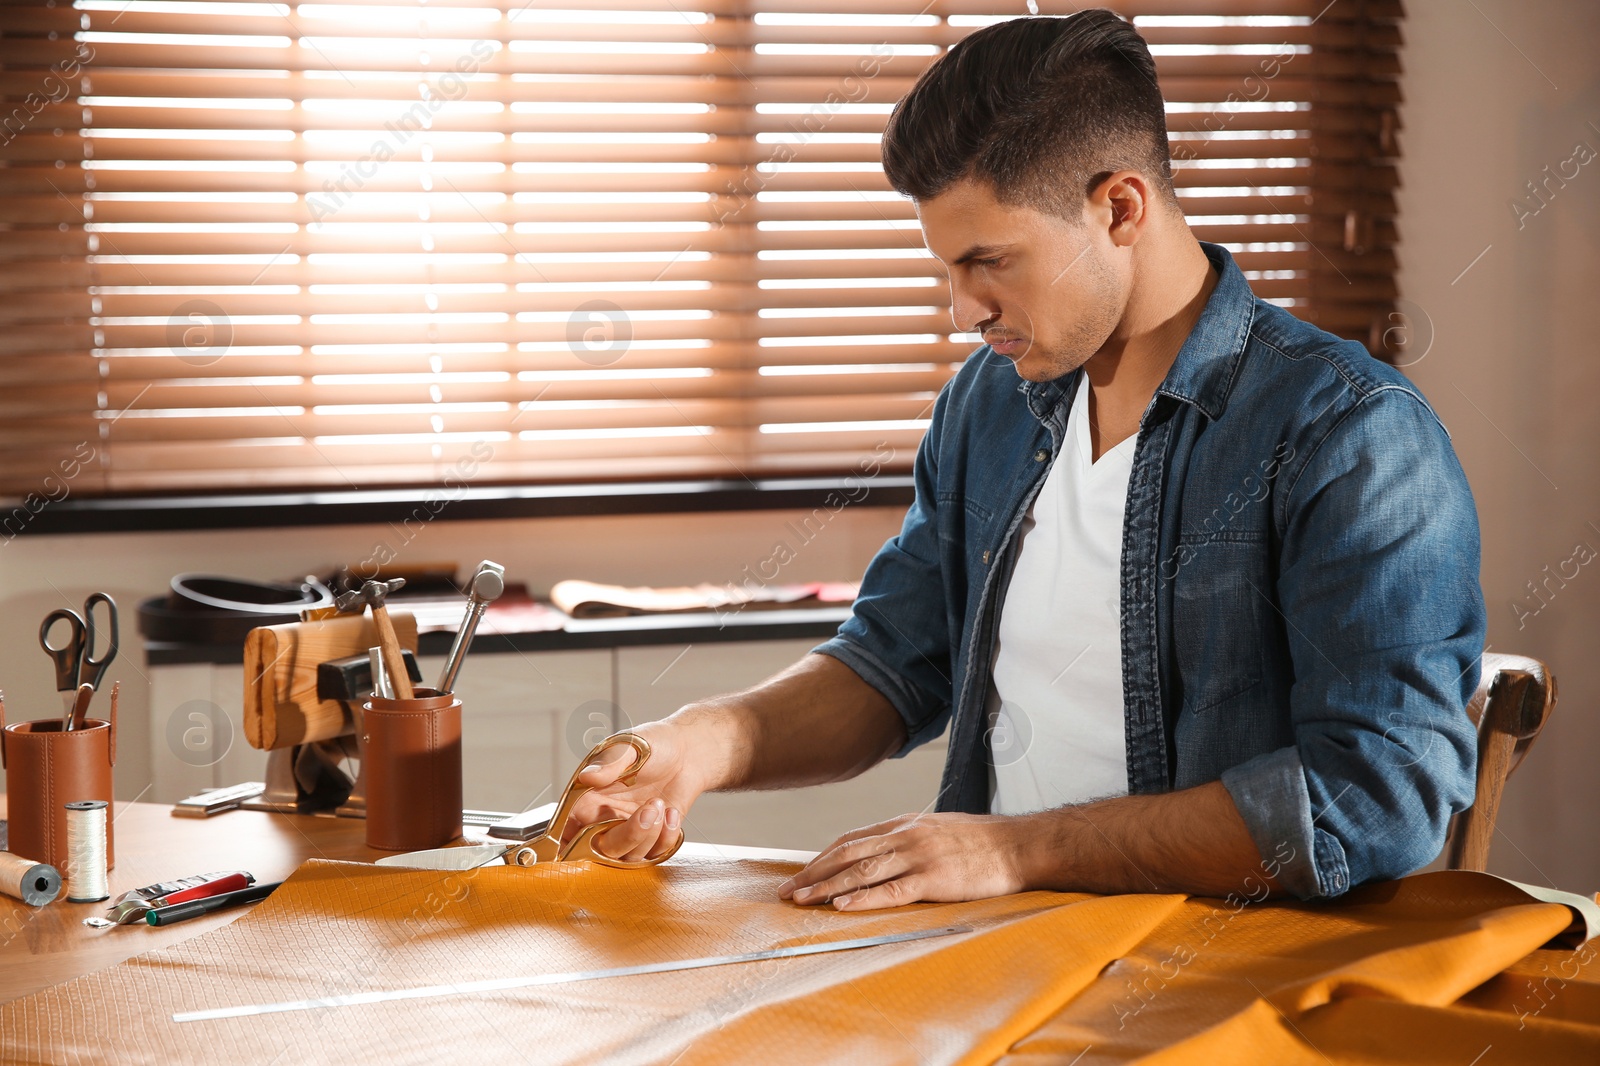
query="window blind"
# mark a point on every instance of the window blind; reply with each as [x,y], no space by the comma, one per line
[265,245]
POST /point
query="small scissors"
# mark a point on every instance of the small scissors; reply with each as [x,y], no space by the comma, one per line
[549,847]
[75,664]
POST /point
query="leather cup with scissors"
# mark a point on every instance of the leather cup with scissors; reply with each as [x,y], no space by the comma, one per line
[78,672]
[549,847]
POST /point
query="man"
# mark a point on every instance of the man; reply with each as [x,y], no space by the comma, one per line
[1192,584]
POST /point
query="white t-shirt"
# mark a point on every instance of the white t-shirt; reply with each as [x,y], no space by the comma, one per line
[1055,727]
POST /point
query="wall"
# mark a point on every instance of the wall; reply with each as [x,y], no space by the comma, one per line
[1496,91]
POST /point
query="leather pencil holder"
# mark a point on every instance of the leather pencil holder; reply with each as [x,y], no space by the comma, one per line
[411,758]
[47,769]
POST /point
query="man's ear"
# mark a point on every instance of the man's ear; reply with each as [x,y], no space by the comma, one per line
[1121,204]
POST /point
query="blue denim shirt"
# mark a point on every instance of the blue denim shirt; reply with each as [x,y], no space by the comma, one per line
[1301,615]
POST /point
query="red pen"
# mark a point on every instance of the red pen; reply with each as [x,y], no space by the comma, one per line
[133,906]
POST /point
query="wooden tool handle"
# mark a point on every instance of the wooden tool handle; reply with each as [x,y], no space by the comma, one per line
[393,661]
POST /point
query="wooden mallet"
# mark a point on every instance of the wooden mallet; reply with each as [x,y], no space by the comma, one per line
[373,594]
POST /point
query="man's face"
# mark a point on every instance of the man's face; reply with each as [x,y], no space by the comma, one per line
[1045,293]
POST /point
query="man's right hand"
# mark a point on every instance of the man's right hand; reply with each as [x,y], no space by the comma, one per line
[653,805]
[812,723]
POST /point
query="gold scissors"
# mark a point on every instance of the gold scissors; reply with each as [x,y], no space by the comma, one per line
[548,847]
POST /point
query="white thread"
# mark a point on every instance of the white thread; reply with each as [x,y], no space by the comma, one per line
[86,852]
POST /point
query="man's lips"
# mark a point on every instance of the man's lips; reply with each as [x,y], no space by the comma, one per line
[1005,345]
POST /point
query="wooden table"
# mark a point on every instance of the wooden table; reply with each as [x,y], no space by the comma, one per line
[44,946]
[1436,969]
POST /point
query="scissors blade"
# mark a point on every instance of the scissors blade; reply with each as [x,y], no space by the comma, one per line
[463,858]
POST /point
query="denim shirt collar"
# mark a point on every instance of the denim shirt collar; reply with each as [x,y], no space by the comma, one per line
[1204,370]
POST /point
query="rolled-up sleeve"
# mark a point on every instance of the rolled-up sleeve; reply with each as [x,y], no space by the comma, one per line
[1378,588]
[898,636]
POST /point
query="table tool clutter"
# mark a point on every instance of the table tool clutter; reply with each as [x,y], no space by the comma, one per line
[307,685]
[298,706]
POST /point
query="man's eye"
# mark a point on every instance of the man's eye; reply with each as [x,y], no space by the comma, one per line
[987,263]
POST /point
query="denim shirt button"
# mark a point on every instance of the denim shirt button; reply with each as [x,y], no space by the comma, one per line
[1040,456]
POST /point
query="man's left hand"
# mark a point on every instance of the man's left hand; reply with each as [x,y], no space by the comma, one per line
[937,858]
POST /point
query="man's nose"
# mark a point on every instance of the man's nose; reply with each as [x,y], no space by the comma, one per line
[970,306]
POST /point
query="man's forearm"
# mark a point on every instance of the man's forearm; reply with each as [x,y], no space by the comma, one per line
[813,723]
[1191,841]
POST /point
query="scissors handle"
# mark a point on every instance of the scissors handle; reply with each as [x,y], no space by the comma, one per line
[581,848]
[68,657]
[94,669]
[549,847]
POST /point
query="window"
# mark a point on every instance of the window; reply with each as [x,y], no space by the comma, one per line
[272,245]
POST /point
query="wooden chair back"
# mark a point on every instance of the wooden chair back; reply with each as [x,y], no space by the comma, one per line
[1513,701]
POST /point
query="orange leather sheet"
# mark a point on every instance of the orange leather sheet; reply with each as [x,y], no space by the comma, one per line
[1434,968]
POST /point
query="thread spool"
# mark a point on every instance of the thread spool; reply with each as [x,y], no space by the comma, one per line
[34,883]
[86,852]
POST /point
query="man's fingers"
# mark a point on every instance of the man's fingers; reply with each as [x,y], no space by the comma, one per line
[939,857]
[852,867]
[634,837]
[896,893]
[606,768]
[849,848]
[650,831]
[836,858]
[599,773]
[820,868]
[671,833]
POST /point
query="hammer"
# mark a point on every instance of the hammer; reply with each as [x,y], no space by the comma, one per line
[373,594]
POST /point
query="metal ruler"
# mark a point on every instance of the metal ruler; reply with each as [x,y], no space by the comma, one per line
[501,984]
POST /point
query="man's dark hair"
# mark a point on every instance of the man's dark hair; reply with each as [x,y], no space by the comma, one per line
[1042,109]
